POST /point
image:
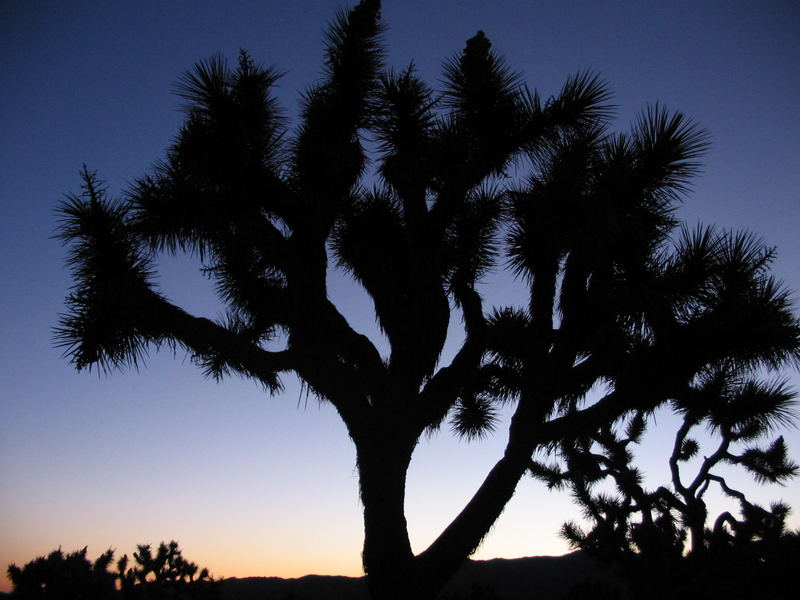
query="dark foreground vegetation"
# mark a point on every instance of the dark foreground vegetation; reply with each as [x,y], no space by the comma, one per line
[417,194]
[160,575]
[62,576]
[758,572]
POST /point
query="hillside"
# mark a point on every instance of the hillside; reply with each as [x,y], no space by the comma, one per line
[542,577]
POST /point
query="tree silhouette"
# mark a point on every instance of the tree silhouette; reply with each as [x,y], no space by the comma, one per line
[645,531]
[268,210]
[66,576]
[165,575]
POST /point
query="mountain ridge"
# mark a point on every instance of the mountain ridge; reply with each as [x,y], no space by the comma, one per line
[542,577]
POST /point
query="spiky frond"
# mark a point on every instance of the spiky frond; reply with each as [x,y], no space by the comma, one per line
[509,332]
[103,325]
[221,176]
[479,83]
[205,87]
[584,100]
[769,465]
[328,157]
[502,383]
[573,534]
[353,50]
[730,306]
[553,214]
[636,426]
[249,328]
[689,449]
[688,268]
[473,417]
[667,147]
[370,242]
[404,127]
[552,474]
[486,110]
[754,408]
[472,243]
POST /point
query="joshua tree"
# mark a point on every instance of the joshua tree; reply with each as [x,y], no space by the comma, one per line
[164,575]
[646,531]
[268,211]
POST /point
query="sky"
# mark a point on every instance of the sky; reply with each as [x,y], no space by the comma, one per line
[257,485]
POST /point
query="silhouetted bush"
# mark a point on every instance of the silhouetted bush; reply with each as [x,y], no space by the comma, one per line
[165,575]
[67,576]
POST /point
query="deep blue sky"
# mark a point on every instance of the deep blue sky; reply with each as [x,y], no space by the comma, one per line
[253,485]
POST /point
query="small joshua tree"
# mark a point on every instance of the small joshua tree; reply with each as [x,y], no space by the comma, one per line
[165,574]
[646,531]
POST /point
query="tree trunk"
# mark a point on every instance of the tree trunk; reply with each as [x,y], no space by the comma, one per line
[387,556]
[393,573]
[461,538]
[695,516]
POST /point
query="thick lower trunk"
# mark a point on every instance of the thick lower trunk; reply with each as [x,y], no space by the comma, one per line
[387,556]
[696,520]
[393,573]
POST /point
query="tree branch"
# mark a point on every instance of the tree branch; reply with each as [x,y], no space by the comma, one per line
[729,490]
[674,469]
[206,338]
[441,391]
[709,462]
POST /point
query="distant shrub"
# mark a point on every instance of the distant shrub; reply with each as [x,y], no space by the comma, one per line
[163,575]
[60,575]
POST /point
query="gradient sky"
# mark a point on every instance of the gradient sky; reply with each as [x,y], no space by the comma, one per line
[252,485]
